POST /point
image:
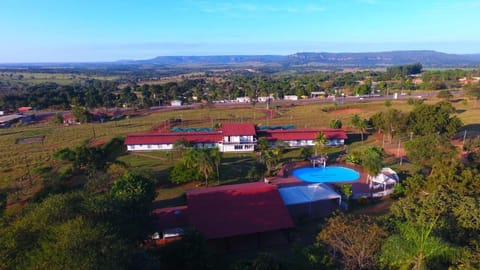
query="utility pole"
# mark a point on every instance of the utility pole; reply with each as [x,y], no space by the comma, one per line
[398,152]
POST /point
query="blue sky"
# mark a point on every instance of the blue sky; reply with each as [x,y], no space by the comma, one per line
[106,30]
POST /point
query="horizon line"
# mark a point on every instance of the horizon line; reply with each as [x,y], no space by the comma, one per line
[219,55]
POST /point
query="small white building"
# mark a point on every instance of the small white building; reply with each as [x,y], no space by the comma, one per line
[290,97]
[242,99]
[176,103]
[265,99]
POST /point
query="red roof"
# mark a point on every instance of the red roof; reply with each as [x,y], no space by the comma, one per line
[24,109]
[171,137]
[172,217]
[302,134]
[236,129]
[232,210]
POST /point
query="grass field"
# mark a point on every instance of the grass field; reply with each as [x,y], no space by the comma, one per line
[15,159]
[37,78]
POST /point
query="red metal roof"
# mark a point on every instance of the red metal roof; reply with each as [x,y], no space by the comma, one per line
[172,217]
[171,137]
[232,210]
[302,134]
[238,129]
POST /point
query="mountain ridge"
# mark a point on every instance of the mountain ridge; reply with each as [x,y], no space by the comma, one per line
[361,59]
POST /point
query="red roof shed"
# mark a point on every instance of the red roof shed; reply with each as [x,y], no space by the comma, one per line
[233,210]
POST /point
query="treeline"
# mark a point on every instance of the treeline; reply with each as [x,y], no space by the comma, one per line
[405,70]
[229,85]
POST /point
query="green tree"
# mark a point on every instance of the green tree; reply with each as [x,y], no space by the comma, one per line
[430,150]
[190,253]
[335,123]
[58,118]
[262,144]
[180,145]
[388,103]
[77,244]
[81,114]
[444,94]
[357,238]
[265,261]
[270,158]
[320,142]
[182,174]
[415,247]
[216,157]
[3,202]
[64,231]
[200,160]
[306,152]
[360,124]
[372,160]
[473,91]
[132,196]
[428,119]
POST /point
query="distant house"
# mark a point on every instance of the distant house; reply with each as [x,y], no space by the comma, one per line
[466,80]
[176,103]
[243,99]
[318,94]
[24,109]
[290,97]
[265,99]
[69,119]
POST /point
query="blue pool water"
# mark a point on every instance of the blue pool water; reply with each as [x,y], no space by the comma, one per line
[326,175]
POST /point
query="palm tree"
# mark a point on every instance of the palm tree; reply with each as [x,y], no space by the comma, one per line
[362,125]
[415,247]
[200,160]
[320,141]
[359,123]
[270,158]
[216,157]
[205,164]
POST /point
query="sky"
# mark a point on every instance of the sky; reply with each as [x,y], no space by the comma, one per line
[109,30]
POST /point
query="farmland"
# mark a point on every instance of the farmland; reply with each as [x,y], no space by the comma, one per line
[16,157]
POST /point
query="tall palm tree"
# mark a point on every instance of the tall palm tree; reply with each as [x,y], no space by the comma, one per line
[205,164]
[216,157]
[359,123]
[200,160]
[415,247]
[320,141]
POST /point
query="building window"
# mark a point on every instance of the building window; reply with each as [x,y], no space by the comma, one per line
[238,147]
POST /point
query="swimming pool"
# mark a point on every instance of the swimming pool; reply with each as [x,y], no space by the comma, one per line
[334,174]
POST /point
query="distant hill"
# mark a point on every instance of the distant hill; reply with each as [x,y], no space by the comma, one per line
[368,59]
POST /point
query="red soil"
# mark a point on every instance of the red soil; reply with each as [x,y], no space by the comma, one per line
[347,111]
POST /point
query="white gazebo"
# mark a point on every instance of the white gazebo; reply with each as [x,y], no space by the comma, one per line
[386,177]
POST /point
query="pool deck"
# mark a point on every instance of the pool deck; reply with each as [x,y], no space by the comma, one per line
[360,187]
